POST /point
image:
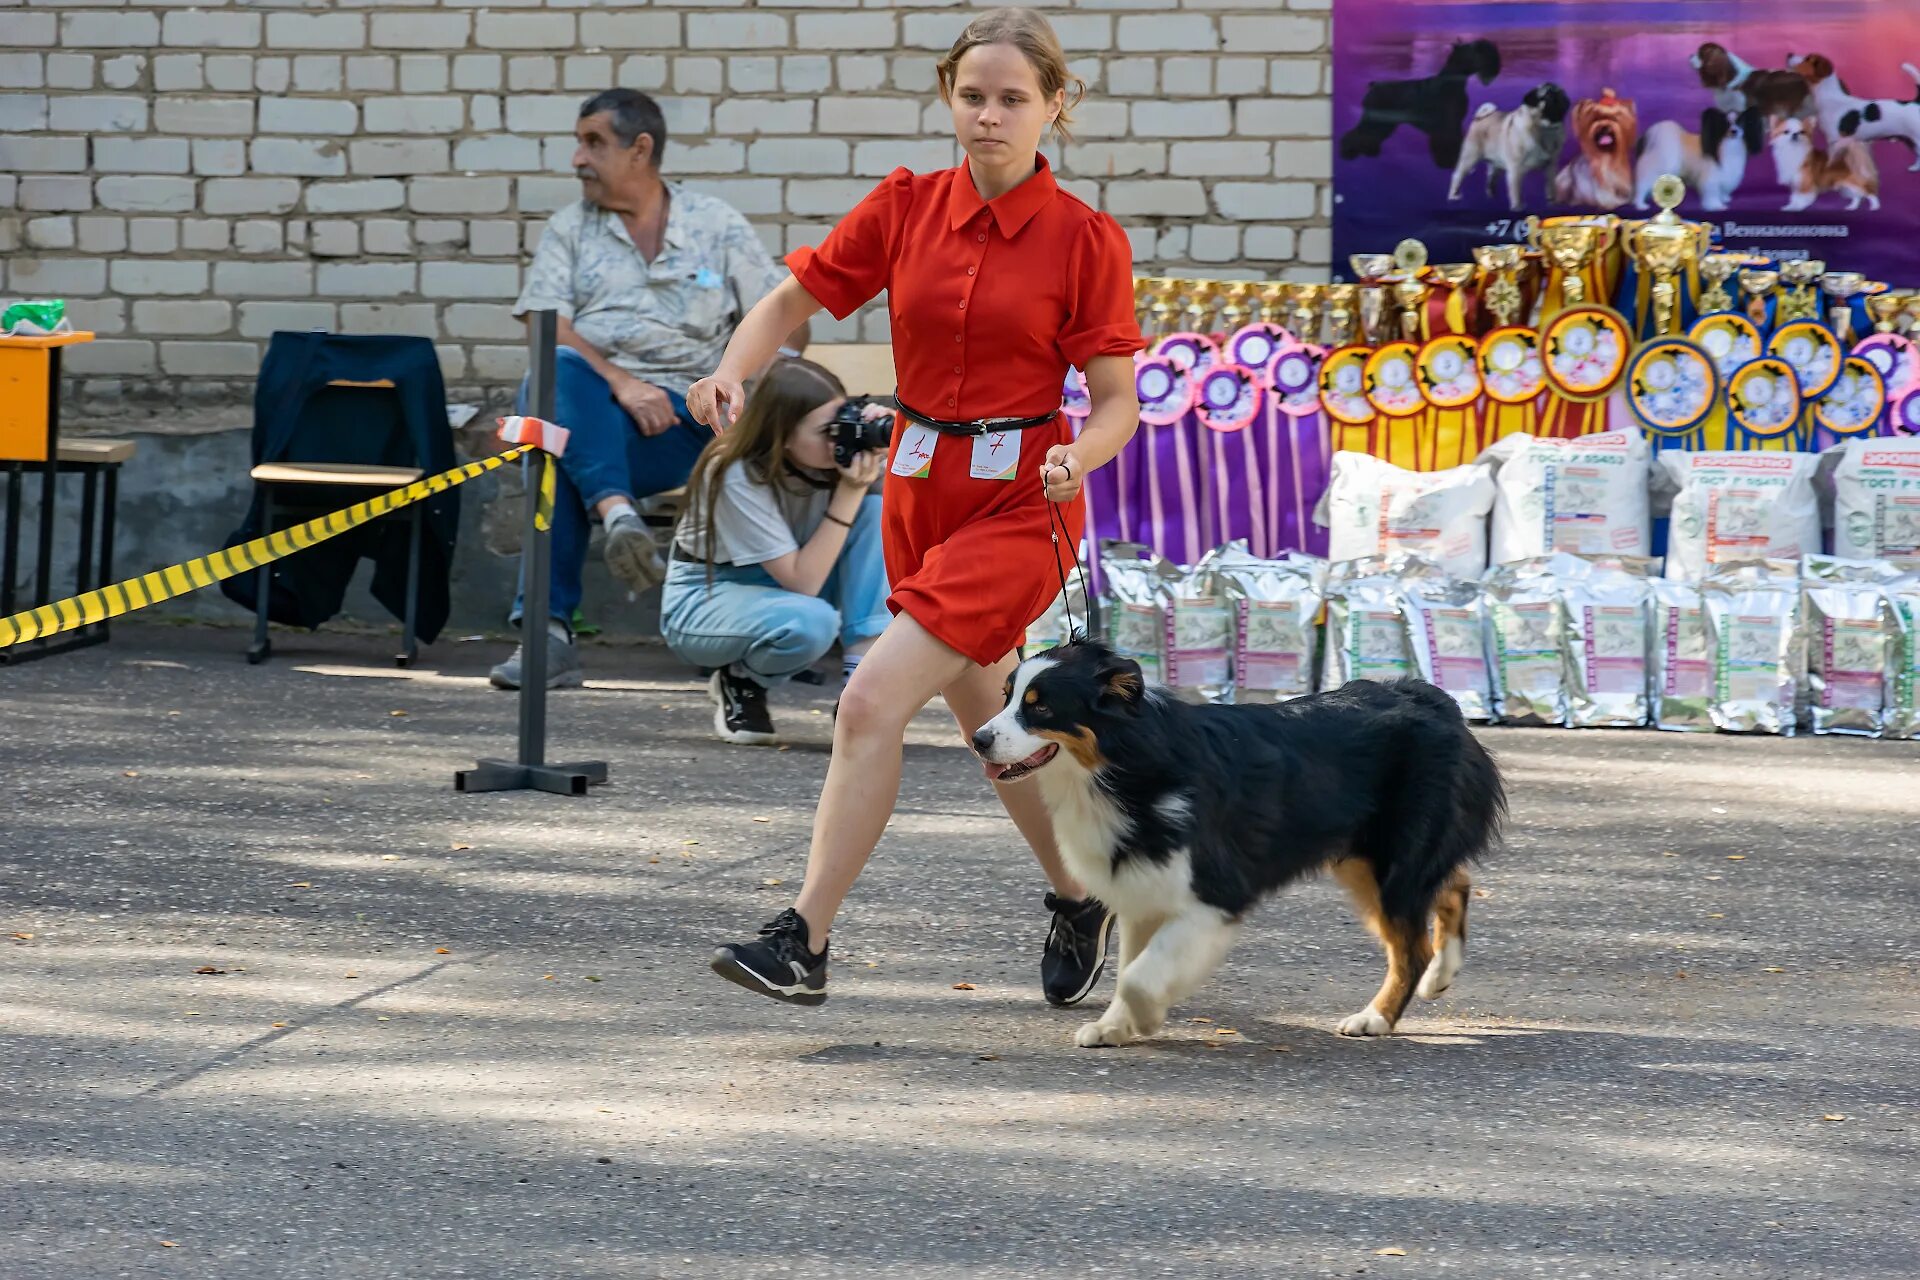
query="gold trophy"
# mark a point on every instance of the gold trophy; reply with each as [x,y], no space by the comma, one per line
[1304,322]
[1456,276]
[1885,308]
[1800,302]
[1409,290]
[1270,301]
[1757,285]
[1498,264]
[1340,302]
[1571,247]
[1716,269]
[1199,310]
[1142,300]
[1843,287]
[1661,246]
[1370,269]
[1234,310]
[1166,298]
[1912,302]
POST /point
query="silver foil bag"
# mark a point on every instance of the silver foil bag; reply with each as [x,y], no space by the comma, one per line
[1903,715]
[1059,620]
[1199,632]
[1135,607]
[1608,622]
[1367,636]
[1852,644]
[1527,634]
[1447,618]
[1276,607]
[1758,646]
[1682,674]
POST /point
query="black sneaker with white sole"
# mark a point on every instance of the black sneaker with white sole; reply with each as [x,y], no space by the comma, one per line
[778,964]
[740,709]
[1076,949]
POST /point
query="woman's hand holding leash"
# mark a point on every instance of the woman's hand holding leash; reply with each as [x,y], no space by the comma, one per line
[1061,474]
[714,402]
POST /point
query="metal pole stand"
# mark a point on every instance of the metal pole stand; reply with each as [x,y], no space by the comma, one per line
[531,771]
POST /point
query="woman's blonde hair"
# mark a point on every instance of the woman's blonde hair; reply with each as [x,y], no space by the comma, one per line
[1033,36]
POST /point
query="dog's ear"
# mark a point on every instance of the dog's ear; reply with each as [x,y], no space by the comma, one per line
[1557,103]
[1714,127]
[1751,122]
[1120,679]
[1534,97]
[1488,55]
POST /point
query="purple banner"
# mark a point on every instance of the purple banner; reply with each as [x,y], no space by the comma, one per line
[1794,124]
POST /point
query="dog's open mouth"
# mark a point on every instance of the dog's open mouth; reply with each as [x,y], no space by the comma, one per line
[1017,771]
[1605,138]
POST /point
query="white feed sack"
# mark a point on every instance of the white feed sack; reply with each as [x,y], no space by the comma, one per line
[1757,641]
[1609,639]
[1876,500]
[1682,671]
[1367,634]
[1527,634]
[1276,615]
[1134,606]
[1199,639]
[1373,508]
[1447,621]
[1587,495]
[1903,715]
[1732,506]
[1852,644]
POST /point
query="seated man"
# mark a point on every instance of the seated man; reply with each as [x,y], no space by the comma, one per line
[649,280]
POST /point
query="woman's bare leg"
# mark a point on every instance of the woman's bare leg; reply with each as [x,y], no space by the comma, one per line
[903,670]
[976,697]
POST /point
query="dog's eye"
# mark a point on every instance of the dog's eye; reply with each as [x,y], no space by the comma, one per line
[1036,708]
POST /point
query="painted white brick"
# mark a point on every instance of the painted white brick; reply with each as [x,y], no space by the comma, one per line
[371,74]
[334,238]
[685,117]
[1213,244]
[718,155]
[500,364]
[1163,197]
[300,156]
[625,30]
[111,355]
[401,318]
[387,235]
[459,195]
[482,320]
[56,195]
[476,71]
[104,30]
[57,277]
[750,116]
[102,234]
[307,116]
[1082,32]
[178,71]
[25,30]
[318,73]
[264,319]
[145,194]
[317,31]
[440,236]
[806,74]
[877,159]
[216,30]
[1264,201]
[533,74]
[698,75]
[1131,77]
[98,315]
[55,232]
[751,196]
[123,72]
[825,196]
[1273,33]
[27,71]
[1303,160]
[230,72]
[737,31]
[1187,77]
[744,75]
[1116,159]
[415,115]
[845,30]
[483,113]
[250,195]
[199,317]
[263,279]
[535,113]
[870,115]
[544,195]
[453,360]
[421,29]
[135,277]
[1091,120]
[219,157]
[933,30]
[209,359]
[273,75]
[1172,244]
[469,280]
[1182,119]
[42,155]
[153,235]
[380,156]
[1316,245]
[493,238]
[798,155]
[498,153]
[23,112]
[1240,77]
[1284,117]
[859,73]
[645,73]
[1294,77]
[70,70]
[205,235]
[1161,33]
[587,73]
[425,73]
[257,236]
[214,117]
[1271,244]
[524,30]
[354,197]
[1221,159]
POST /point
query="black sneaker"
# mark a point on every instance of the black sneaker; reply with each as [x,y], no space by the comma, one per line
[779,965]
[740,709]
[1076,949]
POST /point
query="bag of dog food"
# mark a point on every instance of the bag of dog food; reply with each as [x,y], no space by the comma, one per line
[1447,619]
[1680,688]
[1276,605]
[1134,607]
[1373,508]
[1852,643]
[1199,632]
[1059,621]
[1903,715]
[1527,634]
[1736,506]
[1608,639]
[1366,624]
[1876,500]
[1758,646]
[1587,495]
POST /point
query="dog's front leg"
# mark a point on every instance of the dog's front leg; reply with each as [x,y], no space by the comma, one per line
[1181,955]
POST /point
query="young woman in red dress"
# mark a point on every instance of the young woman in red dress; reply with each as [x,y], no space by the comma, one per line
[996,281]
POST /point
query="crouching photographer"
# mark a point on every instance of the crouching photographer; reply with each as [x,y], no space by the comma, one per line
[777,555]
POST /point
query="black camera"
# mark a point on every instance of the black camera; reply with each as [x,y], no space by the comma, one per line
[854,433]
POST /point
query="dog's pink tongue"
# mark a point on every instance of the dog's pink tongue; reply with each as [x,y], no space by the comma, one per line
[993,771]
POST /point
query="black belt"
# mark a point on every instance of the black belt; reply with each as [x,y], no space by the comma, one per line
[976,426]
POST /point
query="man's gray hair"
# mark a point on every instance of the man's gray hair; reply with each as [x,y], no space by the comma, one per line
[633,113]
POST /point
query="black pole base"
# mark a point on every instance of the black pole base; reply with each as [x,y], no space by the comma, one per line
[505,775]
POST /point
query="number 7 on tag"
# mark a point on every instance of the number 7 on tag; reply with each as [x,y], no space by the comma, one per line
[996,455]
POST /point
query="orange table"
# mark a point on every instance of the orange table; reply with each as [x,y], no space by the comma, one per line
[30,434]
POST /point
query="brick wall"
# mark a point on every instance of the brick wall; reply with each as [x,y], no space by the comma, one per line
[192,177]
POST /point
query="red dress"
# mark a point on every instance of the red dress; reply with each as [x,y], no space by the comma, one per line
[990,302]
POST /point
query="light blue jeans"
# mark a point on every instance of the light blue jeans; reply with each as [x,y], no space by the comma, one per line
[746,620]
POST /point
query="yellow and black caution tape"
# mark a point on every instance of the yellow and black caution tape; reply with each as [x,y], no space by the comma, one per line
[164,584]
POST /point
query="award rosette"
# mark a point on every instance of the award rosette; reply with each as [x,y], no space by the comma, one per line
[1293,376]
[1075,402]
[1191,353]
[1228,397]
[1343,386]
[1896,359]
[1165,391]
[1728,338]
[1586,352]
[1254,346]
[1763,397]
[1390,381]
[1510,365]
[1906,414]
[1672,386]
[1813,353]
[1857,399]
[1449,371]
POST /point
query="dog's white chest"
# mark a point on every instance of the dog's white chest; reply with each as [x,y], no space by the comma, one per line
[1088,828]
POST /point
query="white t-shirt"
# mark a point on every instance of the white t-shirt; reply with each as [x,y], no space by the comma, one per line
[753,523]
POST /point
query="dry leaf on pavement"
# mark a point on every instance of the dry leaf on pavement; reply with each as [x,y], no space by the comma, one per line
[441,951]
[1390,1253]
[460,847]
[1833,1115]
[207,968]
[963,986]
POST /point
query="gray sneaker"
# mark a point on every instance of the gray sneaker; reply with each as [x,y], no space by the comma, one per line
[632,556]
[563,665]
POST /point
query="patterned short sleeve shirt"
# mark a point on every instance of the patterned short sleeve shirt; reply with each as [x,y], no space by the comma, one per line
[665,321]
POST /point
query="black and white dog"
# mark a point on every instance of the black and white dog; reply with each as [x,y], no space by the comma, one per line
[1436,105]
[1181,817]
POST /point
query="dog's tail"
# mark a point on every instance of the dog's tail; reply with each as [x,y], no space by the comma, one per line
[1471,817]
[1913,74]
[1486,109]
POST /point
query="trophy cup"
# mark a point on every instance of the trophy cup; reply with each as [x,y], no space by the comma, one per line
[1270,298]
[1843,287]
[1234,311]
[1166,296]
[1912,303]
[1716,269]
[1757,285]
[1498,288]
[1885,308]
[1371,269]
[1142,300]
[1571,247]
[1456,276]
[1799,303]
[1305,320]
[1661,245]
[1409,290]
[1198,315]
[1340,301]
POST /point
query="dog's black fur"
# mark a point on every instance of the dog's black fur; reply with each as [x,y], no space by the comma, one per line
[1435,105]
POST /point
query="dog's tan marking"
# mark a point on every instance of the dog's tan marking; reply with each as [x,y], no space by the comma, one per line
[1408,947]
[1031,698]
[1124,684]
[1450,910]
[1080,742]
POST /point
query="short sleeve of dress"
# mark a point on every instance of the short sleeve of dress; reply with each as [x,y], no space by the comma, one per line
[853,264]
[1100,319]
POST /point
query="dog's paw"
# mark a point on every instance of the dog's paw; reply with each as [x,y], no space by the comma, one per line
[1365,1023]
[1441,971]
[1100,1035]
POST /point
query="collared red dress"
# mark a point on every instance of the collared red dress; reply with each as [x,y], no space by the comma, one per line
[990,302]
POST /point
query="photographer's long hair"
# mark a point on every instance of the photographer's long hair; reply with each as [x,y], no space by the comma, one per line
[789,391]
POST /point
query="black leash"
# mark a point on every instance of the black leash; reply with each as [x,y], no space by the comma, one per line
[1057,525]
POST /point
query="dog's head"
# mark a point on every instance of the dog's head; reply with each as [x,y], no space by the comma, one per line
[1788,131]
[1714,64]
[1063,698]
[1473,58]
[1606,126]
[1548,101]
[1816,67]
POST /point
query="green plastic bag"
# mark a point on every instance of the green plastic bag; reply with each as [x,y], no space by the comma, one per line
[32,319]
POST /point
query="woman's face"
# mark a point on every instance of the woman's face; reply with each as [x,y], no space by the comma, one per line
[999,112]
[811,444]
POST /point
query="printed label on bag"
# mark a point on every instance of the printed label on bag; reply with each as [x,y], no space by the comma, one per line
[914,456]
[996,455]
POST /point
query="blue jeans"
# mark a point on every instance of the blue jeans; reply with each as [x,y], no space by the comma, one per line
[750,622]
[606,457]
